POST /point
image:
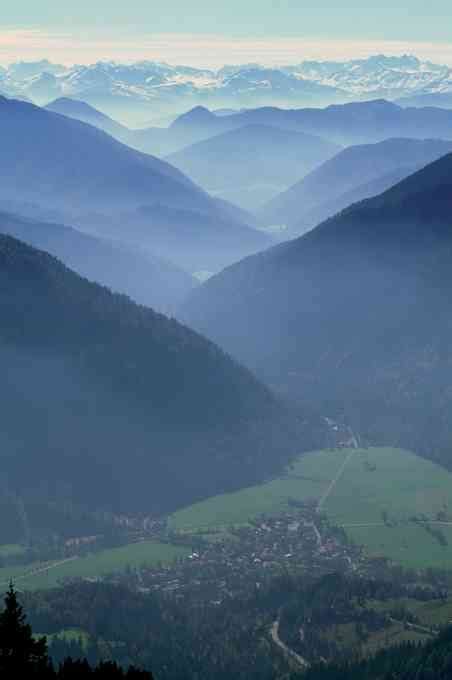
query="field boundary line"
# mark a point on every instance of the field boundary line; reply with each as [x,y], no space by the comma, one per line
[41,570]
[339,474]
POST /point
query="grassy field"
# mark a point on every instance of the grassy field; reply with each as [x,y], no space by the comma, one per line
[38,575]
[306,480]
[11,550]
[392,481]
[380,492]
[67,635]
[392,636]
[375,498]
[406,544]
[432,613]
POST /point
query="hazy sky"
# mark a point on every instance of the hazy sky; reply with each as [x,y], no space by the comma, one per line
[212,32]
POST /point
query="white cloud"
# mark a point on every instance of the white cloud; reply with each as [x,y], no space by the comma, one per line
[199,50]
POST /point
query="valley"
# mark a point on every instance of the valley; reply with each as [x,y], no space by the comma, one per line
[225,345]
[333,509]
[388,520]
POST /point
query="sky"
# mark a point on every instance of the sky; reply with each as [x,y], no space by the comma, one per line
[214,32]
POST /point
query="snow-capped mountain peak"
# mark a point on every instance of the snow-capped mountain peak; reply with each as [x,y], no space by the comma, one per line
[152,88]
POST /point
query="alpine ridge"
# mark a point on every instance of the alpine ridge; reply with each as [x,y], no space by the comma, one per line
[125,409]
[354,316]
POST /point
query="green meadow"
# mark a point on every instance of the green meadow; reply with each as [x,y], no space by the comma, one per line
[378,494]
[96,565]
[305,481]
[11,550]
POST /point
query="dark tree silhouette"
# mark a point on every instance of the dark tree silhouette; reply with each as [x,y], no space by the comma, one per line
[24,656]
[21,655]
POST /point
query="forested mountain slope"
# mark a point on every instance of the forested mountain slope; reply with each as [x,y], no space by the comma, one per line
[344,179]
[431,662]
[355,316]
[124,269]
[109,405]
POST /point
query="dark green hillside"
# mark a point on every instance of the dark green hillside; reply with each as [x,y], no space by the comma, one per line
[110,405]
[408,662]
[182,636]
[356,316]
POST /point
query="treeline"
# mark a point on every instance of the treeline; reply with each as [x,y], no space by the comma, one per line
[175,636]
[44,529]
[119,628]
[338,600]
[432,661]
[129,391]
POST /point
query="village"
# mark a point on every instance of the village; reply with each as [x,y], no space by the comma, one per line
[232,561]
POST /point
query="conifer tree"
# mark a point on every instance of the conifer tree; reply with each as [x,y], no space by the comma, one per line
[21,655]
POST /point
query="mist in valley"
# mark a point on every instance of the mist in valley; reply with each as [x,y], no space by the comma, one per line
[225,358]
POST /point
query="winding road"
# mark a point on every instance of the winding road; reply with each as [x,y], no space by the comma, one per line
[274,632]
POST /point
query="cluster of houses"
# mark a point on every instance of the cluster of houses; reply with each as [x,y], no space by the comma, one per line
[233,561]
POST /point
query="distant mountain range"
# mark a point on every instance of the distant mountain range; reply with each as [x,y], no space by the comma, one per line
[147,91]
[354,317]
[253,163]
[87,178]
[109,406]
[344,124]
[378,76]
[252,157]
[80,110]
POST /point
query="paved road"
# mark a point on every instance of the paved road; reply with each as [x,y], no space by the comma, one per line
[289,652]
[382,524]
[317,533]
[363,524]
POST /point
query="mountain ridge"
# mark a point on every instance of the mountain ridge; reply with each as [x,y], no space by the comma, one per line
[139,413]
[248,164]
[134,92]
[354,315]
[109,189]
[351,168]
[146,279]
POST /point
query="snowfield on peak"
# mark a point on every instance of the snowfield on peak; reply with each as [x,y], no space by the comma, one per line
[145,90]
